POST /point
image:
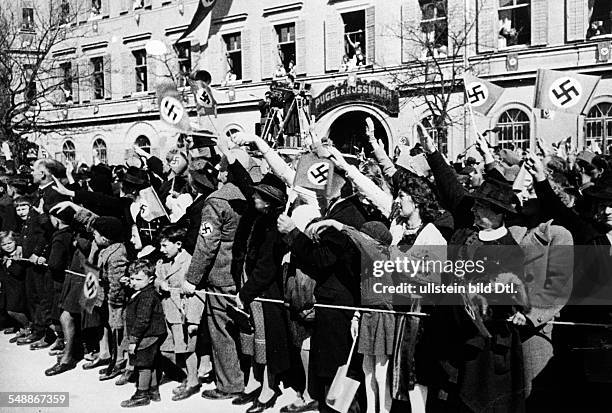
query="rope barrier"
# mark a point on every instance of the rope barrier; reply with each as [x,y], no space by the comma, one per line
[342,307]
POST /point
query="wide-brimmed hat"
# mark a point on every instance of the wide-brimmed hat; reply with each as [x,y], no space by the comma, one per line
[272,188]
[136,176]
[203,174]
[602,191]
[499,194]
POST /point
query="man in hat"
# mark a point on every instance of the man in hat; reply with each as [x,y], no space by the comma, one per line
[480,235]
[214,268]
[203,180]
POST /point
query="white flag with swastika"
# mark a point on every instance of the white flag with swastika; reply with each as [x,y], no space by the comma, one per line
[566,92]
[171,108]
[480,94]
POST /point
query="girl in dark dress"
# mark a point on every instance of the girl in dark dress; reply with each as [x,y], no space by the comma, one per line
[12,277]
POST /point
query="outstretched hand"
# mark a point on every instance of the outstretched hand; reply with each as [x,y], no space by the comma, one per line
[244,138]
[314,230]
[535,167]
[60,206]
[61,189]
[337,158]
[426,140]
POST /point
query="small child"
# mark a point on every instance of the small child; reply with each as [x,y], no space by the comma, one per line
[183,314]
[146,331]
[112,263]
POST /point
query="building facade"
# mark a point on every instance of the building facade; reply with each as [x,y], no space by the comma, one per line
[353,56]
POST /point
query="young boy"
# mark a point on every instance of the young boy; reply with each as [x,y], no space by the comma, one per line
[146,331]
[35,230]
[59,260]
[112,264]
[183,313]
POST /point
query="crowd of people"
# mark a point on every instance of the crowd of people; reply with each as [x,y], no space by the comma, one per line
[92,270]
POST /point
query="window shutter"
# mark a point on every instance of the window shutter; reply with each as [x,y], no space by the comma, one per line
[247,55]
[74,11]
[411,32]
[55,82]
[455,15]
[218,59]
[84,10]
[487,33]
[267,50]
[334,41]
[75,82]
[124,6]
[370,33]
[106,8]
[108,75]
[128,74]
[85,72]
[539,22]
[300,47]
[577,19]
[195,54]
[152,73]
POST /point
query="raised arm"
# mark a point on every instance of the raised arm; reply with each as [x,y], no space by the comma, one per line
[277,164]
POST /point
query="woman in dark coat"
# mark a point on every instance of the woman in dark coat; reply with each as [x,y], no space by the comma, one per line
[334,262]
[584,356]
[263,269]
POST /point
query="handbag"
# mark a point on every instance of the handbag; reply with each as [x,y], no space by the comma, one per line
[299,292]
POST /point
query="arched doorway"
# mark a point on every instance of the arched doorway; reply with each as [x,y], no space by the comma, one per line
[347,132]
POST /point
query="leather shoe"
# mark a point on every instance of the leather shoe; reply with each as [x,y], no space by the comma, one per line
[60,368]
[97,362]
[246,398]
[259,407]
[125,378]
[10,330]
[207,378]
[108,376]
[186,392]
[40,344]
[121,365]
[32,338]
[215,394]
[154,394]
[180,387]
[57,345]
[140,398]
[298,408]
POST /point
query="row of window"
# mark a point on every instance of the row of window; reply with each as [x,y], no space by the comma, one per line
[99,148]
[514,129]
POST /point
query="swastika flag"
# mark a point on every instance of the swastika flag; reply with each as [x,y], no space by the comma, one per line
[567,92]
[481,95]
[313,172]
[171,108]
